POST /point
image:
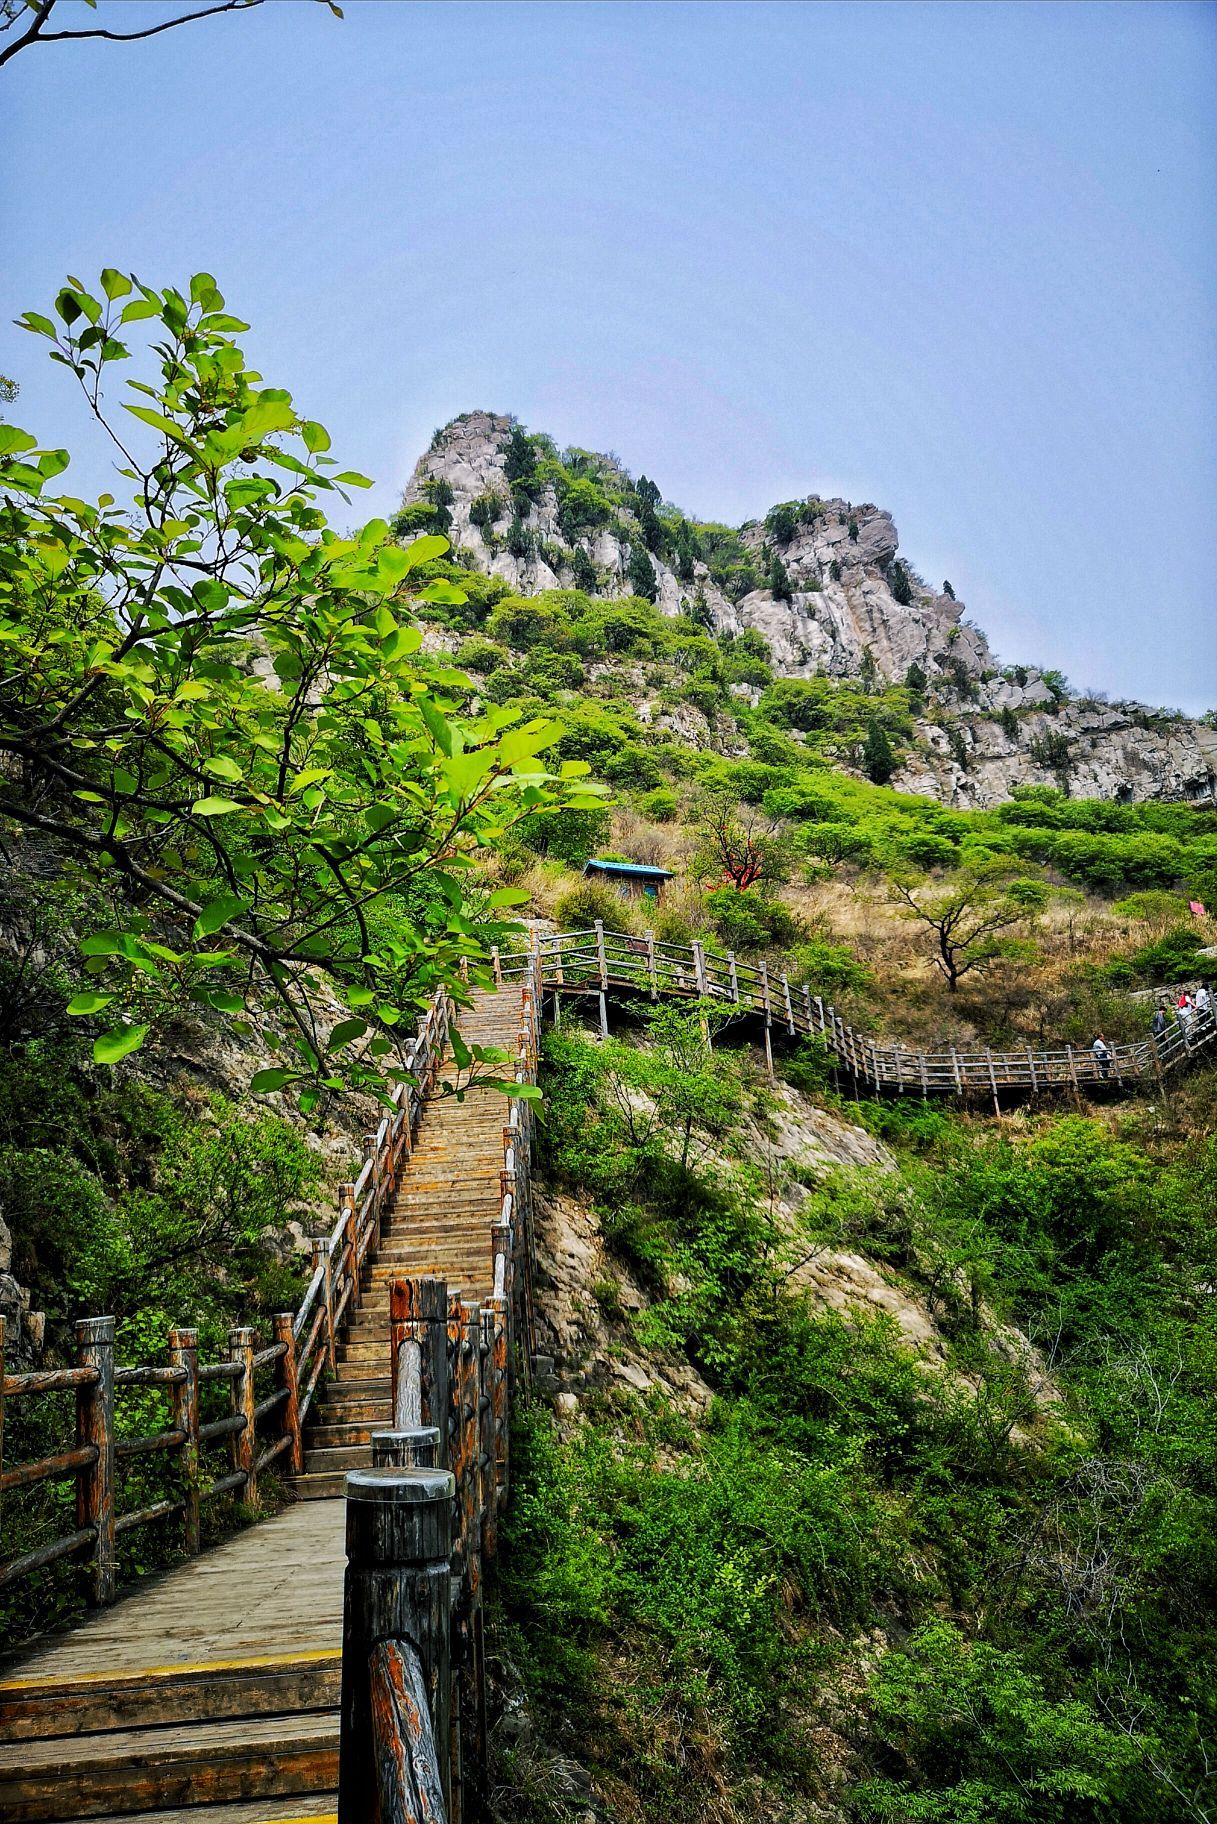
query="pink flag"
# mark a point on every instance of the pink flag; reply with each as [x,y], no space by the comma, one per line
[1197,909]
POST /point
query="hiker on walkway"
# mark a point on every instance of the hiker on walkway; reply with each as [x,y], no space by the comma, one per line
[1159,1025]
[1203,1004]
[1102,1055]
[1186,1015]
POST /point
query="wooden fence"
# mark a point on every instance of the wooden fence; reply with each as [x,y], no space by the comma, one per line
[422,1523]
[601,962]
[250,1404]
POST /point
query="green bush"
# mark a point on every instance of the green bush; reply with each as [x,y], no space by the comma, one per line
[580,906]
[661,805]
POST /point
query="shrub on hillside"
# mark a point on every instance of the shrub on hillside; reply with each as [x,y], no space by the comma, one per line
[661,805]
[580,907]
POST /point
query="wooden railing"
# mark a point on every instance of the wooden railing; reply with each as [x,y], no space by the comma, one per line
[251,1403]
[598,962]
[423,1522]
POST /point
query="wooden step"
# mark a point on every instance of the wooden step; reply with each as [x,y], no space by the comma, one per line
[170,1765]
[264,1685]
[329,1458]
[354,1431]
[316,1807]
[319,1487]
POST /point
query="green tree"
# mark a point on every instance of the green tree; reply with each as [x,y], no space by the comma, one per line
[215,707]
[902,588]
[641,573]
[878,756]
[779,579]
[969,917]
[947,590]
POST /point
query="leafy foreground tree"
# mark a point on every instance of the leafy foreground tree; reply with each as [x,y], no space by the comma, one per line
[213,707]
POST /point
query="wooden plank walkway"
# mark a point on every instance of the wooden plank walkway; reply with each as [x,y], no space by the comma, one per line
[209,1695]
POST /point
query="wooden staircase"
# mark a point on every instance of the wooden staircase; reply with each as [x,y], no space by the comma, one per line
[210,1695]
[439,1225]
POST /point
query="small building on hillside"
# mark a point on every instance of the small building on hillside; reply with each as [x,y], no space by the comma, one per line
[632,879]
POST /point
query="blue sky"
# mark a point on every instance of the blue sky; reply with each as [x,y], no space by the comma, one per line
[956,259]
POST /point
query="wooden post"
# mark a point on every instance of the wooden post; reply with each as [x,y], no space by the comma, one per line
[1031,1067]
[243,1443]
[789,1009]
[601,958]
[733,967]
[289,1381]
[500,1388]
[184,1354]
[417,1448]
[418,1342]
[993,1080]
[322,1257]
[1073,1072]
[955,1068]
[699,966]
[95,1427]
[807,1006]
[768,1017]
[487,1446]
[399,1543]
[652,973]
[497,964]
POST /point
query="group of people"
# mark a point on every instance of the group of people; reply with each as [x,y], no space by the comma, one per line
[1191,1011]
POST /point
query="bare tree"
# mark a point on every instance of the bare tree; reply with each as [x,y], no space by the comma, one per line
[741,843]
[25,22]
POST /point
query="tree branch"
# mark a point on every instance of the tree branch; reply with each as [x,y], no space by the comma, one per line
[35,34]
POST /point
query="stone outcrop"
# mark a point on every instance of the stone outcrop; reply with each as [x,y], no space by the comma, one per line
[845,616]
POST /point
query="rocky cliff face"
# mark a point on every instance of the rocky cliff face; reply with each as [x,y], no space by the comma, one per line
[847,608]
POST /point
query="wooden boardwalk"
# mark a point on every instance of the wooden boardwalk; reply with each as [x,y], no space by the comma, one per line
[623,964]
[210,1695]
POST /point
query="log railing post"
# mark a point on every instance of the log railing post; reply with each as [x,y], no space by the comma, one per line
[731,965]
[765,1002]
[288,1380]
[417,1448]
[785,980]
[184,1354]
[652,974]
[244,1445]
[323,1258]
[399,1547]
[602,966]
[418,1341]
[95,1428]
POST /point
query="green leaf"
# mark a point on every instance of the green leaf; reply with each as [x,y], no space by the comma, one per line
[440,732]
[460,1051]
[345,1031]
[114,284]
[510,896]
[221,767]
[217,912]
[354,480]
[215,807]
[265,1082]
[118,1043]
[89,1002]
[316,437]
[12,440]
[224,1002]
[138,309]
[424,550]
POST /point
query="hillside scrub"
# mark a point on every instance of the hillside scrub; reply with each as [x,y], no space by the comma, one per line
[886,1587]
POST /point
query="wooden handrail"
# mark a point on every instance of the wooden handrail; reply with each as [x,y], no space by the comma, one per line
[565,963]
[294,1361]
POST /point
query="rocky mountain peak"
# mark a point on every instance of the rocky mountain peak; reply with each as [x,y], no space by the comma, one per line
[823,582]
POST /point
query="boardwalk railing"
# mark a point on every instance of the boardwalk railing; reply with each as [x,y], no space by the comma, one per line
[423,1522]
[250,1404]
[600,962]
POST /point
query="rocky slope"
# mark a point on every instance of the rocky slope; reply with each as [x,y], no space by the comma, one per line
[849,608]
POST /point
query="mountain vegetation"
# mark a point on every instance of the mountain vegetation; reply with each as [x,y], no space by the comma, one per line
[887,1491]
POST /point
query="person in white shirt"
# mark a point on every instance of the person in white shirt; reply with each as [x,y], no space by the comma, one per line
[1102,1055]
